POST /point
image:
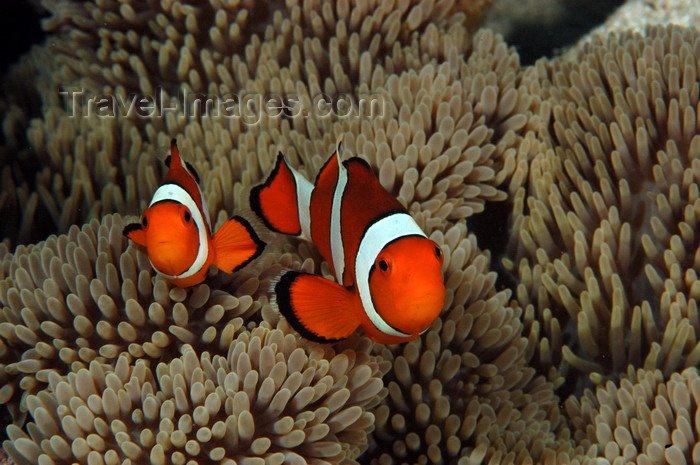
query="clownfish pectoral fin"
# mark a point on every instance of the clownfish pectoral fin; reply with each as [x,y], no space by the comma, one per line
[135,232]
[276,201]
[319,309]
[236,244]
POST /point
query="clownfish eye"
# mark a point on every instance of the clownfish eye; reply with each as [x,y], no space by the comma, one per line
[188,217]
[383,265]
[144,222]
[438,252]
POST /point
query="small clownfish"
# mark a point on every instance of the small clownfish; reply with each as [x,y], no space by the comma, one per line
[388,270]
[176,230]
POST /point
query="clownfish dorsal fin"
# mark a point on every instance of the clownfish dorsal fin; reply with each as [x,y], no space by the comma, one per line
[136,233]
[317,308]
[338,152]
[281,199]
[336,155]
[192,171]
[175,152]
[333,162]
[236,244]
[339,146]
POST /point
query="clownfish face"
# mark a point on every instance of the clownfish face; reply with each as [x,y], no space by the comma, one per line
[172,237]
[406,284]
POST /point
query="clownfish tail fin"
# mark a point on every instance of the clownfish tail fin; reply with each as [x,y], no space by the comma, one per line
[318,309]
[236,244]
[282,201]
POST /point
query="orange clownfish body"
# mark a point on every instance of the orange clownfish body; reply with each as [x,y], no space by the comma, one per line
[176,230]
[388,271]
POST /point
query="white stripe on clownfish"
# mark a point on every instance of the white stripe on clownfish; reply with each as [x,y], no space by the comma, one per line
[304,189]
[336,229]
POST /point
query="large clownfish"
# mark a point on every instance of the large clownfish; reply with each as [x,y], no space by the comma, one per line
[176,230]
[388,271]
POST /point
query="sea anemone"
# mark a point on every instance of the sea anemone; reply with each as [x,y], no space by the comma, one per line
[85,296]
[595,152]
[271,400]
[463,391]
[645,418]
[602,232]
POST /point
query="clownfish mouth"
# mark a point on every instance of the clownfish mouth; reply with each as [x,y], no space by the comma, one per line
[164,258]
[167,267]
[420,312]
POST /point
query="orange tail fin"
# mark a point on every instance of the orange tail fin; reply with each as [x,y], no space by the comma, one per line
[275,201]
[319,309]
[236,244]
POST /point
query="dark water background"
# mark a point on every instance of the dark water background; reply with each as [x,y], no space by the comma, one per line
[20,28]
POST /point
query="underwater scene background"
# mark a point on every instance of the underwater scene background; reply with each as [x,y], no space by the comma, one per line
[551,149]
